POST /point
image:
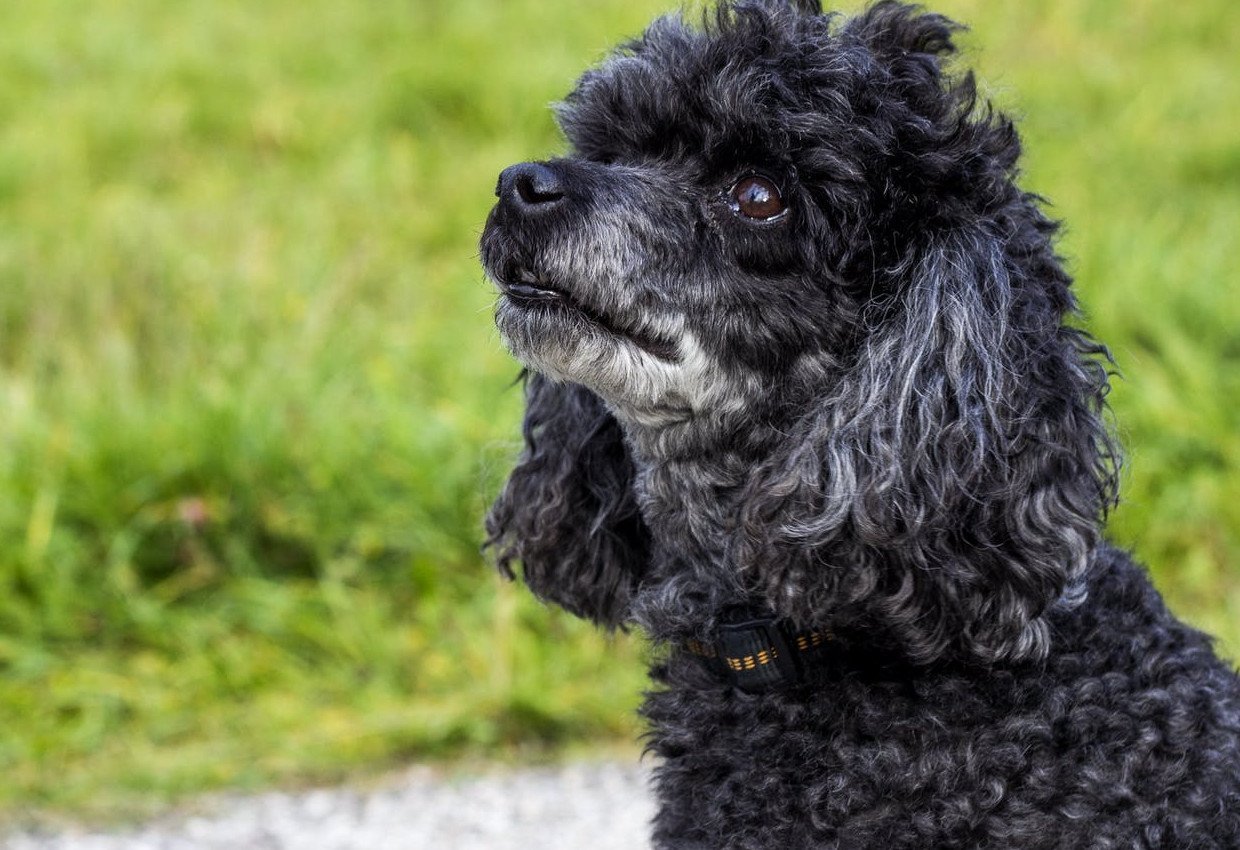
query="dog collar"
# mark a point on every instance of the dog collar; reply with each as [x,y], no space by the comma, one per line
[761,653]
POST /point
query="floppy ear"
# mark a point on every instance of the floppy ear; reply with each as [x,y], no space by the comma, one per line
[949,490]
[568,512]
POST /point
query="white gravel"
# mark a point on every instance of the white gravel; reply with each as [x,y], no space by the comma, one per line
[599,806]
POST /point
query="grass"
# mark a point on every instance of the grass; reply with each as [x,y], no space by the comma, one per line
[252,406]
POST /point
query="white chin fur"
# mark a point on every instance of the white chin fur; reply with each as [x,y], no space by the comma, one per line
[636,384]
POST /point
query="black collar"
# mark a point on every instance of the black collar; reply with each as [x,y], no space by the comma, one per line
[762,653]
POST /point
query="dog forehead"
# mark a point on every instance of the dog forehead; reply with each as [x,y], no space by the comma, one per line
[729,84]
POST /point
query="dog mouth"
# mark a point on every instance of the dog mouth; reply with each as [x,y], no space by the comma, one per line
[526,287]
[529,289]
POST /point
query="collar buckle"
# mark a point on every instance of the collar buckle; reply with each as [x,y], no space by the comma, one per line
[759,654]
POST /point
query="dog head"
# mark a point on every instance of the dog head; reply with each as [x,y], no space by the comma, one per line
[785,219]
[701,237]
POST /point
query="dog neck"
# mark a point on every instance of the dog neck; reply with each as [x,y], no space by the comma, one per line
[690,482]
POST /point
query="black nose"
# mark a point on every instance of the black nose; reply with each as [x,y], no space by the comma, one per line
[530,187]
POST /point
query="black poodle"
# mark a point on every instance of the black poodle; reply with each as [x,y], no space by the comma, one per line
[802,405]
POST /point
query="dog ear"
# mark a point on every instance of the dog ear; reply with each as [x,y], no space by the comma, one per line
[949,490]
[568,512]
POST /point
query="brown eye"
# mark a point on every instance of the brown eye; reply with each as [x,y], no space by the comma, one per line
[756,197]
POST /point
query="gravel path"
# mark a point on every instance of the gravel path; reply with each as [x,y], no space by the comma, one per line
[599,806]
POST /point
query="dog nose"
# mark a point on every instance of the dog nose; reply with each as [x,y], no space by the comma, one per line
[530,186]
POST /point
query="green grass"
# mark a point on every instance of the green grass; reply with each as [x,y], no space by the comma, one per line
[252,405]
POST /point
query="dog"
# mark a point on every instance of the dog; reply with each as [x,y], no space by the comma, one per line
[802,404]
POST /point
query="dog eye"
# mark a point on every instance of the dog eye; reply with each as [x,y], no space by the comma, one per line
[756,197]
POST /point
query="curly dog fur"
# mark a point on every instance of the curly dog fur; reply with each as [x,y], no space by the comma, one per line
[796,344]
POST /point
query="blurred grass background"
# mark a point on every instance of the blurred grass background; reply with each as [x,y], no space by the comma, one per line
[252,405]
